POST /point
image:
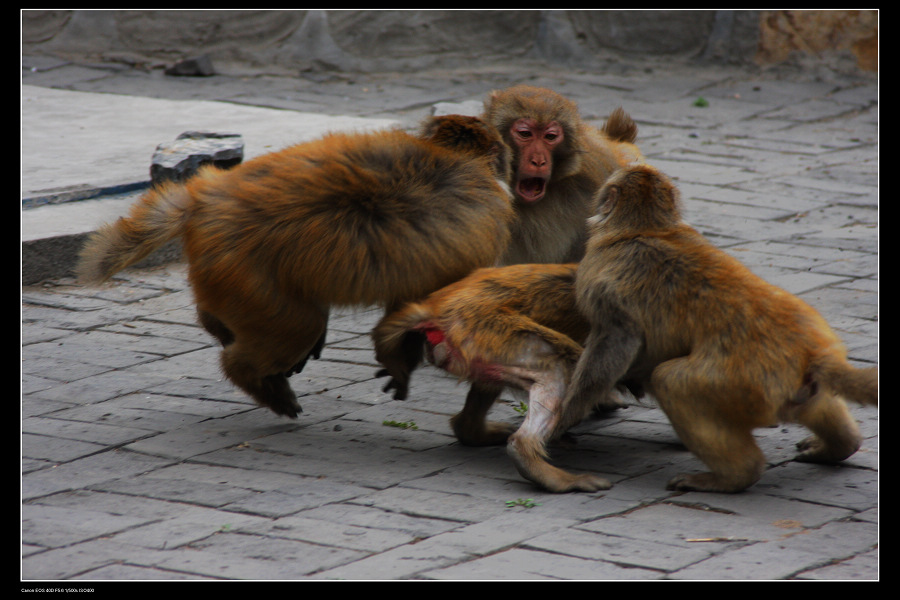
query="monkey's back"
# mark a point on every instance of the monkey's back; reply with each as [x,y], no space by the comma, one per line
[696,297]
[495,311]
[353,219]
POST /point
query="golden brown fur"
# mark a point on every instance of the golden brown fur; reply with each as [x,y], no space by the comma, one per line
[350,219]
[721,350]
[557,164]
[515,326]
[493,317]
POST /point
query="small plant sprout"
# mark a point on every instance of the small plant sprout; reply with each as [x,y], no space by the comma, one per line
[523,502]
[400,424]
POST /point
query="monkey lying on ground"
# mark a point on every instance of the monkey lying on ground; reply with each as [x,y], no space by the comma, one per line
[721,350]
[514,326]
[350,219]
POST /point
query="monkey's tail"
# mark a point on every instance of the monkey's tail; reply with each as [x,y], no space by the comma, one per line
[159,216]
[620,127]
[391,332]
[858,385]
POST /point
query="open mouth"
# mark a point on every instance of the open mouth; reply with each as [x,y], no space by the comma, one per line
[531,189]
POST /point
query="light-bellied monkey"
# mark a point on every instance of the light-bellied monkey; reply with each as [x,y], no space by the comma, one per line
[721,350]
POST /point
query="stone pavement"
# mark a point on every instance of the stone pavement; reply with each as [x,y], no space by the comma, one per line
[140,462]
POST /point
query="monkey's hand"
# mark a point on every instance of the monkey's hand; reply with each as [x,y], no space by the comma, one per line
[400,385]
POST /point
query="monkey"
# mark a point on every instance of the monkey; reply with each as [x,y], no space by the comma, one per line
[473,327]
[500,327]
[557,164]
[350,219]
[464,134]
[722,351]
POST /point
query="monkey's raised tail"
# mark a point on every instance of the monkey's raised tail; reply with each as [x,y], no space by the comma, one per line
[858,385]
[159,216]
[620,126]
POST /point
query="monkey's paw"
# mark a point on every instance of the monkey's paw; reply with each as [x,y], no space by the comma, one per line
[552,479]
[587,483]
[290,409]
[707,482]
[814,450]
[400,387]
[608,405]
[481,433]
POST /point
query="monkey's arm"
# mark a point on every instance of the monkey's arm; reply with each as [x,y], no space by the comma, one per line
[609,351]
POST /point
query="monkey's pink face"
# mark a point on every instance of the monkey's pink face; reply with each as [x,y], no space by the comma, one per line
[535,143]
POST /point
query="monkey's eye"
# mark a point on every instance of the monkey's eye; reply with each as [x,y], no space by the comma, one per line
[523,133]
[551,136]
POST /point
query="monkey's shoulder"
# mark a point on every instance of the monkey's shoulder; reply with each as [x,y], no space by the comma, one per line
[644,247]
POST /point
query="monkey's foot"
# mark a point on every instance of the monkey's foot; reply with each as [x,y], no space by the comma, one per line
[276,395]
[301,364]
[552,479]
[314,353]
[571,482]
[608,405]
[556,480]
[705,482]
[286,409]
[815,450]
[566,440]
[485,433]
[298,368]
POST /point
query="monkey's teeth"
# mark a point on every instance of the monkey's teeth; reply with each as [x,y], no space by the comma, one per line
[531,189]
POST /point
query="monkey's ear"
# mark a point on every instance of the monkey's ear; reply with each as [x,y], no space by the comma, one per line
[489,101]
[608,200]
[429,126]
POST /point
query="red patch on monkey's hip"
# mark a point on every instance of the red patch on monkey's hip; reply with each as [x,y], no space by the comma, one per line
[434,336]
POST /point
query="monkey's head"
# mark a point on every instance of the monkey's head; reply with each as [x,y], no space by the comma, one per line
[543,129]
[469,135]
[637,197]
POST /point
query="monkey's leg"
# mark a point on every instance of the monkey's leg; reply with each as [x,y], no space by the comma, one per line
[527,446]
[271,391]
[470,425]
[536,341]
[262,352]
[314,353]
[609,352]
[218,329]
[710,420]
[215,327]
[836,434]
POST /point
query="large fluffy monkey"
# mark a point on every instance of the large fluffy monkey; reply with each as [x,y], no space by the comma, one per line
[721,350]
[557,165]
[350,219]
[514,326]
